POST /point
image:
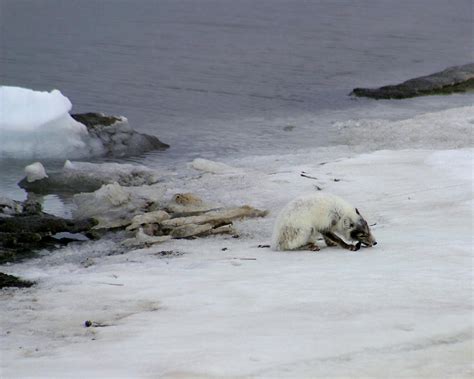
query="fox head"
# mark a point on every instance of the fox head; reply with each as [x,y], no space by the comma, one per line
[357,229]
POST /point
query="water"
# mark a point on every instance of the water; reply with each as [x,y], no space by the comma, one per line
[224,77]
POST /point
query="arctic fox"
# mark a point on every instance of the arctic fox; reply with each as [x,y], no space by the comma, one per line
[308,217]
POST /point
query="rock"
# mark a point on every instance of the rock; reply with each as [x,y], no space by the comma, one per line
[116,135]
[76,177]
[29,229]
[9,207]
[42,224]
[114,206]
[451,80]
[13,281]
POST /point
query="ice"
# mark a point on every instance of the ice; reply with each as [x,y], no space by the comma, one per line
[212,167]
[122,173]
[36,124]
[24,109]
[35,171]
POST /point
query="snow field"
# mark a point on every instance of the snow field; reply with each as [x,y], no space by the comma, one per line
[400,309]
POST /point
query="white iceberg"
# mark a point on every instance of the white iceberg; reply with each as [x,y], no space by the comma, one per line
[37,124]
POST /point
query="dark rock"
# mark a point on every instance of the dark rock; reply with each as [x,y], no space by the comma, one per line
[88,177]
[56,183]
[13,281]
[116,135]
[93,120]
[29,230]
[43,224]
[452,80]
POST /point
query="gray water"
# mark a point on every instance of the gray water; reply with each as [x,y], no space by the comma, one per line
[222,77]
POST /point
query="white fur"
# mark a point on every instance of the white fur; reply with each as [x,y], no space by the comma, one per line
[301,221]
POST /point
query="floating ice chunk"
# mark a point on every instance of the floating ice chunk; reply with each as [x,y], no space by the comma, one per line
[35,171]
[36,124]
[213,167]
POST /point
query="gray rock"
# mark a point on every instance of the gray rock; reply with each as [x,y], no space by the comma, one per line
[13,281]
[30,229]
[116,135]
[451,80]
[76,177]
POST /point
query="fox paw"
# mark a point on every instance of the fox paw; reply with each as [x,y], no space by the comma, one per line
[313,247]
[355,247]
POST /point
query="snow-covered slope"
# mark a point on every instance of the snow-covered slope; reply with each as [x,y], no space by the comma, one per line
[402,309]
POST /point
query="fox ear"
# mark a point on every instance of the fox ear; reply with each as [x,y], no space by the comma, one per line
[357,211]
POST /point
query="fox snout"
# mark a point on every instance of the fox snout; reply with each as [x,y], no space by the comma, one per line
[368,240]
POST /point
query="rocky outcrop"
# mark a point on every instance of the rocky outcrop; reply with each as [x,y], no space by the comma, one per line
[452,80]
[76,177]
[116,135]
[24,228]
[13,281]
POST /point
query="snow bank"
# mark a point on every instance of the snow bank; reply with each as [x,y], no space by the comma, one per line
[213,167]
[222,307]
[37,124]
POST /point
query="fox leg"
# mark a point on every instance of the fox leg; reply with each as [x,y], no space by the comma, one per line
[335,239]
[310,246]
[329,242]
[291,238]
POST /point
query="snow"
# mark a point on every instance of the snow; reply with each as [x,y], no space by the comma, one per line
[400,309]
[451,128]
[212,167]
[35,171]
[123,173]
[35,124]
[223,307]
